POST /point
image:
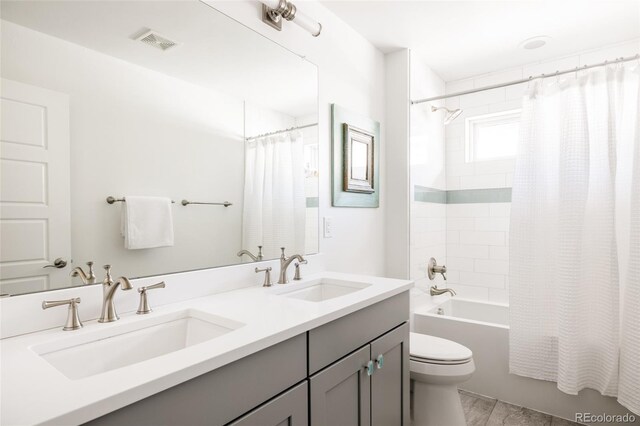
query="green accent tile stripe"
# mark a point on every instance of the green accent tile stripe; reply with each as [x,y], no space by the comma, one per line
[462,196]
[312,202]
[429,195]
[487,195]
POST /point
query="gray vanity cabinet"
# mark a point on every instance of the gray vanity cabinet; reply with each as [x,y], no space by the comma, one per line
[390,381]
[340,394]
[368,387]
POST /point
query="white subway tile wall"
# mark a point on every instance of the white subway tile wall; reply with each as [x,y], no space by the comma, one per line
[477,250]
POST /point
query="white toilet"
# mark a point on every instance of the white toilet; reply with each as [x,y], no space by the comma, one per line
[437,367]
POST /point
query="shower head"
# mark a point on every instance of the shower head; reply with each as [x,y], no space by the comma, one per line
[451,114]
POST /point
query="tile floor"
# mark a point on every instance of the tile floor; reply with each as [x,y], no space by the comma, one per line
[483,411]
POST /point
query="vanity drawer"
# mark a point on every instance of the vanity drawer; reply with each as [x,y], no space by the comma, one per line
[218,397]
[290,408]
[332,341]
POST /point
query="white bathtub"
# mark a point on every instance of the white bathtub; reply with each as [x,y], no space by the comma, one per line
[483,327]
[490,314]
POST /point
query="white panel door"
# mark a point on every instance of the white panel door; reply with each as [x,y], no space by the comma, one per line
[34,188]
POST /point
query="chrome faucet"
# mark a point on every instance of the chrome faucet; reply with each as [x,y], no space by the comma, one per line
[248,253]
[284,264]
[109,288]
[433,268]
[435,291]
[89,278]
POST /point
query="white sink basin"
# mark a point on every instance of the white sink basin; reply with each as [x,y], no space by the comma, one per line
[99,351]
[320,290]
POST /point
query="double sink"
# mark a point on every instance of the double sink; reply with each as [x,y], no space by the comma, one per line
[89,353]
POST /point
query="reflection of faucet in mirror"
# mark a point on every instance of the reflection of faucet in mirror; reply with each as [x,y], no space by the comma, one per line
[109,288]
[248,253]
[87,278]
[284,264]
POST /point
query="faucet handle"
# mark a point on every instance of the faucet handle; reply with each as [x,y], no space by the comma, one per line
[283,255]
[259,253]
[107,269]
[143,307]
[267,276]
[73,320]
[433,269]
[297,276]
[91,276]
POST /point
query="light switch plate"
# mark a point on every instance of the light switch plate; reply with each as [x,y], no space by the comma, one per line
[327,227]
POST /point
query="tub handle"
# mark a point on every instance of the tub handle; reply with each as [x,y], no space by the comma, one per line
[433,268]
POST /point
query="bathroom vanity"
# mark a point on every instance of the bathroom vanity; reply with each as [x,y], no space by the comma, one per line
[330,349]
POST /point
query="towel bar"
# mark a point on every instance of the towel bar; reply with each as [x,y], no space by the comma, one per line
[187,202]
[112,200]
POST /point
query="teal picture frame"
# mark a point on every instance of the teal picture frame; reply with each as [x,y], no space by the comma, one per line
[341,198]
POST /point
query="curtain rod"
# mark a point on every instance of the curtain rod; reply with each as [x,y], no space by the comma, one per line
[525,80]
[290,129]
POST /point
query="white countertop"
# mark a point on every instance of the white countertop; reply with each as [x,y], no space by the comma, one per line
[34,392]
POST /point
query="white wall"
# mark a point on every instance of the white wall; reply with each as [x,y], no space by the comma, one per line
[351,74]
[397,115]
[427,169]
[135,131]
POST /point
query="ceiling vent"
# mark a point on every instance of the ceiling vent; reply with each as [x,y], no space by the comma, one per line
[154,39]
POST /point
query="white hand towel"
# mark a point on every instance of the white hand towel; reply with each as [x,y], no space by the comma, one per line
[147,222]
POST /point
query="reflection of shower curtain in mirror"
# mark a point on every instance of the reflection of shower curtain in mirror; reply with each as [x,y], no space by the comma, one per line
[274,195]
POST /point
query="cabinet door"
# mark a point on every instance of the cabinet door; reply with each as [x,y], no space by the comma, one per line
[390,381]
[340,393]
[289,409]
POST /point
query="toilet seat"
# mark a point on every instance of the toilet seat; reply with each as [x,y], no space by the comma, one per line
[435,350]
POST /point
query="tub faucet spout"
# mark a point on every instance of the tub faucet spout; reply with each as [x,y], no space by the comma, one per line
[435,291]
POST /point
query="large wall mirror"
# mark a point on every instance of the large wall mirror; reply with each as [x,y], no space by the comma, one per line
[155,101]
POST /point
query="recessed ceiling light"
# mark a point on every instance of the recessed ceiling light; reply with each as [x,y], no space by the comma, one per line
[534,42]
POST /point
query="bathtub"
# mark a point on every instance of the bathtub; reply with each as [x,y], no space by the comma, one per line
[483,327]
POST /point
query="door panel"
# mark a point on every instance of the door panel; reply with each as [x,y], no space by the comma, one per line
[340,394]
[32,176]
[26,122]
[289,409]
[34,215]
[390,382]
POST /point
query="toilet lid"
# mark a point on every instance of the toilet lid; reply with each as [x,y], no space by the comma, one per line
[434,349]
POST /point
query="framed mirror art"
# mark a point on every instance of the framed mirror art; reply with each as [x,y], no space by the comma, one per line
[356,158]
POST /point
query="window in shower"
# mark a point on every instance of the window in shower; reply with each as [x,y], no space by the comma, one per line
[492,136]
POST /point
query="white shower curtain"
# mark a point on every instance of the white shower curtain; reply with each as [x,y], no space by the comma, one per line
[274,195]
[575,235]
